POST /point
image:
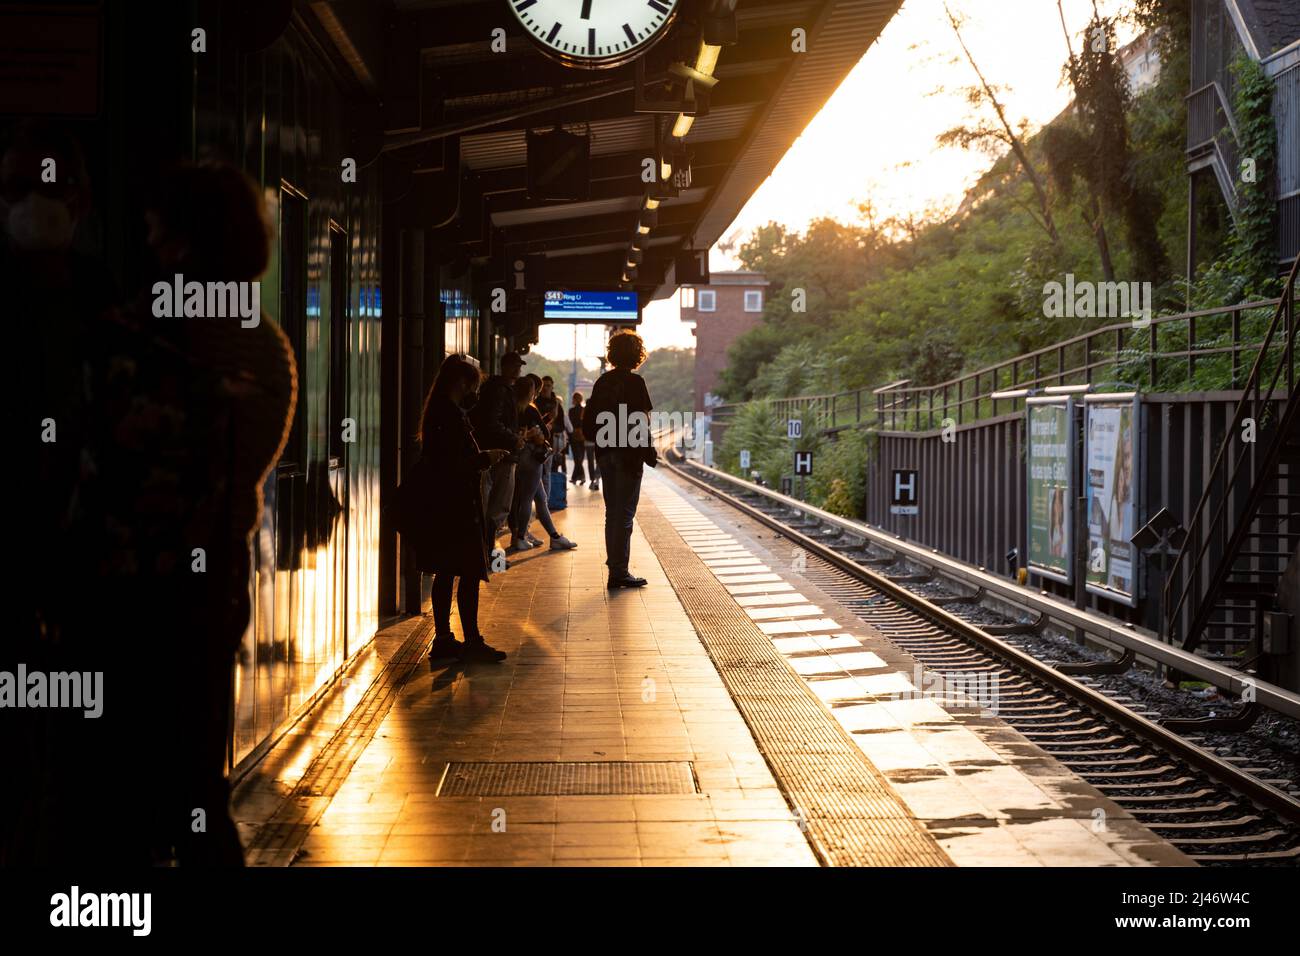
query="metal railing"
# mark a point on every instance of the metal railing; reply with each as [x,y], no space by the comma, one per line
[1211,126]
[1186,582]
[1168,354]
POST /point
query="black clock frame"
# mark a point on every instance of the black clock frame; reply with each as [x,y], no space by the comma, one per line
[599,63]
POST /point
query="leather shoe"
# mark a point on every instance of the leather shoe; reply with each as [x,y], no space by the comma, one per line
[626,581]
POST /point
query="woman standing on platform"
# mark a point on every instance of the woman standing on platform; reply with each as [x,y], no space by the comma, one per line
[446,515]
[530,474]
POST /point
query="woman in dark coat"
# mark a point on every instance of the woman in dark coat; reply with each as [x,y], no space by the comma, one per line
[451,540]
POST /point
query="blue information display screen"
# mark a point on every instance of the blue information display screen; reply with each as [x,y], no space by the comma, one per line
[589,306]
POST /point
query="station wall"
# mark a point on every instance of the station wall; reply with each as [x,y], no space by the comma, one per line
[972,493]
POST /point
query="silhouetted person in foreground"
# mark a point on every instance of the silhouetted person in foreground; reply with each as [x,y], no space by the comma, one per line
[441,508]
[209,223]
[617,420]
[186,415]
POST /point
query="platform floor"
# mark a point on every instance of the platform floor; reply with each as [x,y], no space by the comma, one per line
[655,681]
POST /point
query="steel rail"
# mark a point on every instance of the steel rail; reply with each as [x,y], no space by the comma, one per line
[1244,783]
[1115,633]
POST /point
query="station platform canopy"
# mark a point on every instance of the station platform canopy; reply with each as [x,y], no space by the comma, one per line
[712,105]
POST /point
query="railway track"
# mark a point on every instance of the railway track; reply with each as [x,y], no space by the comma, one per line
[1218,801]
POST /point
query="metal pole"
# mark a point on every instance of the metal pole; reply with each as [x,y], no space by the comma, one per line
[573,376]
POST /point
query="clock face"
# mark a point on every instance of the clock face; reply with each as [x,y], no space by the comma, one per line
[595,33]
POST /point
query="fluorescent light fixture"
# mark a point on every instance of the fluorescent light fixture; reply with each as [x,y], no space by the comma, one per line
[1012,393]
[707,61]
[683,125]
[1067,389]
[642,230]
[651,203]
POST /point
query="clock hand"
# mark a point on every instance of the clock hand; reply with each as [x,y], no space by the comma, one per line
[586,9]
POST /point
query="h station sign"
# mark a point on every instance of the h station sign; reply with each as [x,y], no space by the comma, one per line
[904,493]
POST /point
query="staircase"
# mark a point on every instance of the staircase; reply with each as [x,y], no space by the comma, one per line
[1246,526]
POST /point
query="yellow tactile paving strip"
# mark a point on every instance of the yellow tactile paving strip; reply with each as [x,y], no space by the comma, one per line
[852,816]
[986,794]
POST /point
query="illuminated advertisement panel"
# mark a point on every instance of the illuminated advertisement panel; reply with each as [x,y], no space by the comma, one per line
[1111,482]
[1049,448]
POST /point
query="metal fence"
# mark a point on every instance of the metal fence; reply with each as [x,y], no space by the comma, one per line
[971,501]
[1192,351]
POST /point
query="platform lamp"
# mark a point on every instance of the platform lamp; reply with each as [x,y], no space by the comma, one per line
[648,219]
[1011,395]
[1067,389]
[719,24]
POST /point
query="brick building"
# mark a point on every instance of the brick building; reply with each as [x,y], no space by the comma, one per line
[731,304]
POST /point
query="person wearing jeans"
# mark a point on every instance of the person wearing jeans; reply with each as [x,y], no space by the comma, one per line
[582,447]
[530,472]
[622,494]
[617,423]
[493,418]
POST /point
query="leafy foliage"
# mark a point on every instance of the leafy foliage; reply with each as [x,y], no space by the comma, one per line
[1247,268]
[670,376]
[927,299]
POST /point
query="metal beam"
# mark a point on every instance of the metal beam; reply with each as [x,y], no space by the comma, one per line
[507,116]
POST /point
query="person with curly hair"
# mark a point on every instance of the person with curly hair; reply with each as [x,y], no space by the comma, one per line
[617,420]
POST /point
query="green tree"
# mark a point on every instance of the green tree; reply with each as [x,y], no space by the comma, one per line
[670,376]
[1093,146]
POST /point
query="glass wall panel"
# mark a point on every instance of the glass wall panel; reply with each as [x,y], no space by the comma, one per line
[313,585]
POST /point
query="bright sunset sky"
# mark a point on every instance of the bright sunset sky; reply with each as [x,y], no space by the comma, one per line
[875,137]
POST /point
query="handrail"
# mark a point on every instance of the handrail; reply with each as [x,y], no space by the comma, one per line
[1223,103]
[1252,396]
[1211,130]
[1109,345]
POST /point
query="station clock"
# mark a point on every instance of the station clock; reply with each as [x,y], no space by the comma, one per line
[595,33]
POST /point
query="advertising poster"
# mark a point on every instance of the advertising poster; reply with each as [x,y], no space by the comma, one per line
[1048,450]
[1110,471]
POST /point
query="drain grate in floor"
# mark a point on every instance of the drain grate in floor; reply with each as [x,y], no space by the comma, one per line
[566,778]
